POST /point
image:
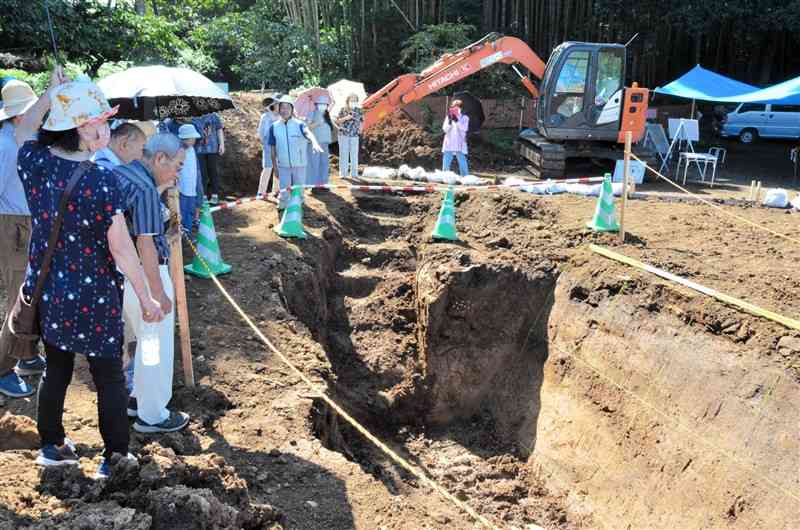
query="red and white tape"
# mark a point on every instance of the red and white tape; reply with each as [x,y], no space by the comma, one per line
[405,189]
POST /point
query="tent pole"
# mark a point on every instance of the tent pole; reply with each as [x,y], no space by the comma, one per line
[691,116]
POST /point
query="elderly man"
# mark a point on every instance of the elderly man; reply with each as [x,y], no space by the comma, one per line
[142,182]
[20,116]
[126,145]
[127,142]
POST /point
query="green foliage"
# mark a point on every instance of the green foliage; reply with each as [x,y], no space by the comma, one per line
[37,81]
[426,46]
[423,48]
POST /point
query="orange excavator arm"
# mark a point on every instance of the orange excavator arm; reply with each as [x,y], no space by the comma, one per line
[449,69]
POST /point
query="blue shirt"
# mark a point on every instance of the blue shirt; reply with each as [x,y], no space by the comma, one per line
[12,194]
[81,309]
[145,212]
[168,126]
[208,126]
[188,178]
[289,139]
[107,158]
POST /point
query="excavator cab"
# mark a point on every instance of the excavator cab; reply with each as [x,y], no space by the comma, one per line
[581,92]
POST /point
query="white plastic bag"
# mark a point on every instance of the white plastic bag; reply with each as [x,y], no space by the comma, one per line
[471,180]
[377,172]
[776,198]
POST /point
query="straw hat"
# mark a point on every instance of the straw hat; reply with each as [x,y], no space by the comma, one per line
[18,97]
[188,131]
[76,103]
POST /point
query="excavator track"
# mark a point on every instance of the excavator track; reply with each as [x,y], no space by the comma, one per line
[548,160]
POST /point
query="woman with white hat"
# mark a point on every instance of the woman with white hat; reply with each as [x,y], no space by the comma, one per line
[81,302]
[319,121]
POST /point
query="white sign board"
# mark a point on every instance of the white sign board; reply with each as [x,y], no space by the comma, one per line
[690,130]
[635,169]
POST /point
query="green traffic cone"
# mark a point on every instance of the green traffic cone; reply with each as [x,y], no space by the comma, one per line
[605,215]
[292,223]
[207,248]
[446,223]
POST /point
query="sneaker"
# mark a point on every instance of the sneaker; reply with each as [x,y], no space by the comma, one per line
[175,422]
[51,455]
[33,366]
[12,385]
[214,199]
[133,408]
[104,469]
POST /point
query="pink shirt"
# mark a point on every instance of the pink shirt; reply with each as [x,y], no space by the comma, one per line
[455,134]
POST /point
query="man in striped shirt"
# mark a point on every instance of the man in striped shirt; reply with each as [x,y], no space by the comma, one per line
[141,184]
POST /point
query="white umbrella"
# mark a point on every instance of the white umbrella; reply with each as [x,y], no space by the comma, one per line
[340,90]
[159,92]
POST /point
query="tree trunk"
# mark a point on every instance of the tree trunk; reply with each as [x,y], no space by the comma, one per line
[140,7]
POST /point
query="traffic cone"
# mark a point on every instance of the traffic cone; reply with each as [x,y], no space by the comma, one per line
[292,223]
[207,248]
[605,215]
[446,223]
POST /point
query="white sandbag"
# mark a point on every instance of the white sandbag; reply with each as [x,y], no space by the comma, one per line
[448,177]
[377,172]
[418,173]
[404,171]
[587,190]
[513,181]
[796,202]
[776,198]
[471,180]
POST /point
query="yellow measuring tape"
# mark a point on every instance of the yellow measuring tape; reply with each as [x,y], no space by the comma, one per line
[335,406]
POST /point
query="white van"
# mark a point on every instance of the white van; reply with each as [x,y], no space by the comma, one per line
[749,121]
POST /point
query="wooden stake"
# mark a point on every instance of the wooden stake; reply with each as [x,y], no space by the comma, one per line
[758,191]
[625,171]
[179,284]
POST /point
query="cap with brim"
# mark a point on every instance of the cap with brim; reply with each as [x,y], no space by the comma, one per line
[188,131]
[77,103]
[18,97]
[286,99]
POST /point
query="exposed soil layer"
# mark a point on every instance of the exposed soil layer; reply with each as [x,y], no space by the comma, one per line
[538,382]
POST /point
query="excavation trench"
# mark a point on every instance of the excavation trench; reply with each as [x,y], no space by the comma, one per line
[574,397]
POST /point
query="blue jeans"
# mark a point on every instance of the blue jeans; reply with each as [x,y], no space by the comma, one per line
[188,206]
[463,167]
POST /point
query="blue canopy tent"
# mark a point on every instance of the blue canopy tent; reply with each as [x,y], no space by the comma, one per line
[699,83]
[705,85]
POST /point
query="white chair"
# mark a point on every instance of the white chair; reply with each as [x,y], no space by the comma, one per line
[705,159]
[720,153]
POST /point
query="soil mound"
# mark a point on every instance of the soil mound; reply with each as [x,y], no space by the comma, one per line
[17,432]
[399,140]
[241,163]
[168,490]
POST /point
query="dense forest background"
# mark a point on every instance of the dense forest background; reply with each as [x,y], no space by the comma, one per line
[287,43]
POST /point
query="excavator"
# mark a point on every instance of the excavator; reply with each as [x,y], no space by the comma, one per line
[583,109]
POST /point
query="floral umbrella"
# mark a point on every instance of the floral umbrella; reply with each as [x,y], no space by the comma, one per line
[159,92]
